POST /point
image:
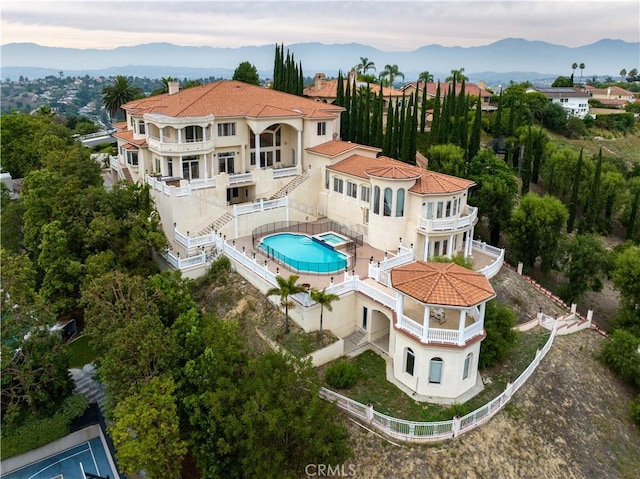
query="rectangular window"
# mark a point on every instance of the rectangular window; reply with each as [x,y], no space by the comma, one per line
[190,168]
[326,179]
[226,162]
[439,211]
[435,371]
[322,128]
[132,158]
[465,369]
[364,317]
[455,206]
[448,209]
[365,218]
[352,190]
[141,128]
[429,211]
[226,129]
[338,185]
[169,166]
[365,194]
[445,247]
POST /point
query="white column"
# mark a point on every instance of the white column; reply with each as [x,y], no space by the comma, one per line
[425,324]
[400,309]
[206,167]
[450,247]
[161,134]
[425,256]
[180,135]
[463,314]
[180,166]
[258,161]
[299,151]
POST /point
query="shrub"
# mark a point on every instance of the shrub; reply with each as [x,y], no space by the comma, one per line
[342,374]
[621,355]
[635,410]
[36,432]
[498,323]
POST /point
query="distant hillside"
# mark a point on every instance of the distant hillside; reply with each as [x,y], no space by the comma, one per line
[605,57]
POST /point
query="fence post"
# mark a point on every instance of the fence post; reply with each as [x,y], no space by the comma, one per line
[519,270]
[456,426]
[369,413]
[573,307]
[508,391]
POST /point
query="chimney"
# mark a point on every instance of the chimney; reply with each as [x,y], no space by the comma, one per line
[482,85]
[318,80]
[174,87]
[352,78]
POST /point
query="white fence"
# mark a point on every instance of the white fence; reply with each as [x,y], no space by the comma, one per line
[411,431]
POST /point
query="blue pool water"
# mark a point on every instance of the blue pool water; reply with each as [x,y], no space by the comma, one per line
[332,238]
[303,254]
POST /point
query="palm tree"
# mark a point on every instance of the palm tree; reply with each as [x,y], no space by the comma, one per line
[324,299]
[633,74]
[118,93]
[573,67]
[286,287]
[582,67]
[391,71]
[458,74]
[425,77]
[365,65]
[623,72]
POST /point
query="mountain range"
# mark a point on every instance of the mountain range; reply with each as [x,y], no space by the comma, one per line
[514,58]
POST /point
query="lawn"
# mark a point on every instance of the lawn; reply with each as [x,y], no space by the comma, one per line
[373,387]
[80,353]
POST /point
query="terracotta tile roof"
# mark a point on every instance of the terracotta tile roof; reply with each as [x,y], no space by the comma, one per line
[444,284]
[329,89]
[232,99]
[427,182]
[127,135]
[613,91]
[121,125]
[469,89]
[336,147]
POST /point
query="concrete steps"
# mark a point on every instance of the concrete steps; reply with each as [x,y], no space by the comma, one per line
[86,385]
[289,187]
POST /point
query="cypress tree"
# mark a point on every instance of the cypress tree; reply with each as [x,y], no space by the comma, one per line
[366,127]
[379,136]
[340,90]
[497,125]
[538,155]
[512,118]
[423,111]
[525,171]
[414,132]
[592,206]
[633,215]
[463,110]
[476,132]
[300,81]
[575,189]
[354,115]
[437,118]
[388,133]
[344,124]
[405,144]
[395,147]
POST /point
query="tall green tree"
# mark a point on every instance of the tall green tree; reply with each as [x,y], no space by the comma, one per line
[585,263]
[592,207]
[499,321]
[495,191]
[247,73]
[146,432]
[573,202]
[535,230]
[324,299]
[120,91]
[476,132]
[448,159]
[286,287]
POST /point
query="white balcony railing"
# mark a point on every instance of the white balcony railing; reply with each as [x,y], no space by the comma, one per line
[449,224]
[284,172]
[497,253]
[177,148]
[438,335]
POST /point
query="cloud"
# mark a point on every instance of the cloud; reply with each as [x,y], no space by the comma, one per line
[388,25]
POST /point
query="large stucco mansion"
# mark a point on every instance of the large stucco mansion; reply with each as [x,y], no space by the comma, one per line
[229,164]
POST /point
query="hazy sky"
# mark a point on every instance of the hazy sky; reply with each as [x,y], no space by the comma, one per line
[390,25]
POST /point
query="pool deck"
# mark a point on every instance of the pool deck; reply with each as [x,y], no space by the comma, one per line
[363,254]
[317,281]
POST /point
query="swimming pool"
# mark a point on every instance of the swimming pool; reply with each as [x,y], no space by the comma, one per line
[301,253]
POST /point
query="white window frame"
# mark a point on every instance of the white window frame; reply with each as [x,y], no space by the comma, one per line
[227,129]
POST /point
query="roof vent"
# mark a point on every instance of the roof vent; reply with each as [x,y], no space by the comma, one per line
[174,87]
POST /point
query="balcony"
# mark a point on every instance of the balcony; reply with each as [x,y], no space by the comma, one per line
[441,335]
[164,147]
[450,225]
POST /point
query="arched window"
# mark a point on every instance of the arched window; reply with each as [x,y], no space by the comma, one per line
[467,366]
[388,194]
[376,200]
[410,361]
[400,202]
[435,371]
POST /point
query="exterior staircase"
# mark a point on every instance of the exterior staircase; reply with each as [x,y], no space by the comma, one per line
[127,175]
[218,223]
[289,187]
[86,385]
[354,342]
